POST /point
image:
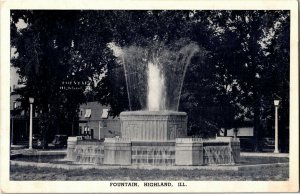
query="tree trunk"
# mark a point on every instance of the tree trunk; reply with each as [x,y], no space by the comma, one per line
[257,132]
[225,132]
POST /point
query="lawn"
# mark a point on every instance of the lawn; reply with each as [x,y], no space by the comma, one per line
[274,173]
[58,159]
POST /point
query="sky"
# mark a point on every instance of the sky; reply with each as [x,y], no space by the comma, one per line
[13,71]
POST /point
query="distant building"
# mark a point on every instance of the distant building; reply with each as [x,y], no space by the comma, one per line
[96,123]
[94,118]
[245,133]
[241,132]
[19,117]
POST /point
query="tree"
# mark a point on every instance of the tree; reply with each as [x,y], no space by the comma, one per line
[255,68]
[50,51]
[276,83]
[236,66]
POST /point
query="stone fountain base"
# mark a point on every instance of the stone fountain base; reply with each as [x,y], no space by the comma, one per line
[181,152]
[156,139]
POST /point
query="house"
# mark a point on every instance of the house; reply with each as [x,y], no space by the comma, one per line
[245,133]
[242,132]
[96,123]
[19,117]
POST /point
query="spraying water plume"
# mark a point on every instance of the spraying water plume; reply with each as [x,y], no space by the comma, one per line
[156,88]
[155,74]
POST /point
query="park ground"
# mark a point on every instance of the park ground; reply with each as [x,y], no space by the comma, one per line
[265,167]
[267,173]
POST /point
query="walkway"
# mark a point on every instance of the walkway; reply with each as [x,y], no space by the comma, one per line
[265,154]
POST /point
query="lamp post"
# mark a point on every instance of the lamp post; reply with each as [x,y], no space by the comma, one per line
[31,101]
[276,103]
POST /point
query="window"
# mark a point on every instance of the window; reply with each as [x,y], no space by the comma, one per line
[80,113]
[104,124]
[104,114]
[15,105]
[88,113]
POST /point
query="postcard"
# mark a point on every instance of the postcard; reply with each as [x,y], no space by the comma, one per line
[128,96]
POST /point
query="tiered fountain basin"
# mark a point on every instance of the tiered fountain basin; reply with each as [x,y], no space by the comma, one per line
[182,152]
[155,138]
[153,125]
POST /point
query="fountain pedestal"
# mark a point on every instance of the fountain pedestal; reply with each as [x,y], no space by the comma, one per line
[117,151]
[189,152]
[72,142]
[153,125]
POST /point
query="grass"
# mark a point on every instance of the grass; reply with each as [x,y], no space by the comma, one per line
[248,160]
[245,160]
[274,173]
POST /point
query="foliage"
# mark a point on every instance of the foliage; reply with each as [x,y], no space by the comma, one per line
[48,53]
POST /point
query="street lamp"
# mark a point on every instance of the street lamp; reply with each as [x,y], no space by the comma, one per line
[31,101]
[276,103]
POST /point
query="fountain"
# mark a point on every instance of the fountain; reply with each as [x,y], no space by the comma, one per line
[155,74]
[154,132]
